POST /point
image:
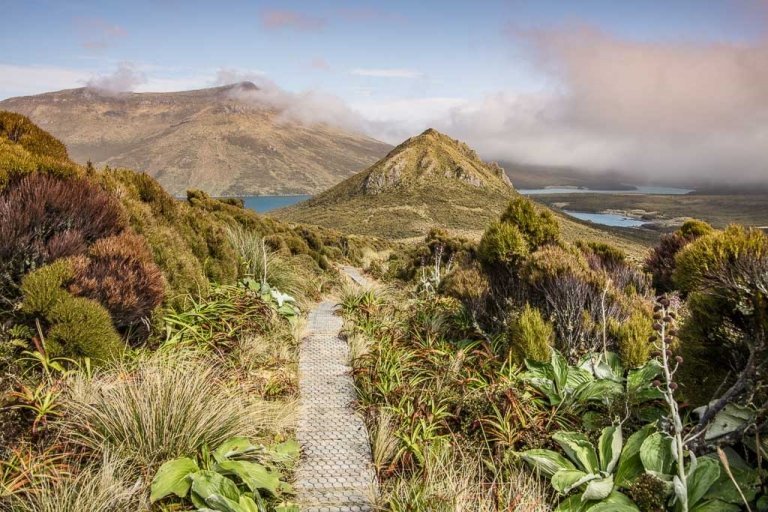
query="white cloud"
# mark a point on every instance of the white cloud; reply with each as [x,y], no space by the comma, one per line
[125,78]
[386,72]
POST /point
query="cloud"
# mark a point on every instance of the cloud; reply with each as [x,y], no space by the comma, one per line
[661,111]
[319,63]
[278,19]
[307,107]
[98,33]
[127,77]
[386,72]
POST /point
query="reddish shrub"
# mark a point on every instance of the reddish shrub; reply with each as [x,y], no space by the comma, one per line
[43,218]
[119,273]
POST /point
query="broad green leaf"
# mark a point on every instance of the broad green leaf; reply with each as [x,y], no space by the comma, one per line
[209,483]
[680,493]
[286,451]
[253,475]
[642,377]
[715,506]
[219,503]
[656,454]
[576,378]
[248,505]
[559,371]
[730,419]
[572,504]
[603,366]
[701,479]
[747,477]
[630,464]
[579,449]
[598,390]
[546,461]
[615,502]
[233,447]
[609,448]
[565,480]
[598,489]
[173,478]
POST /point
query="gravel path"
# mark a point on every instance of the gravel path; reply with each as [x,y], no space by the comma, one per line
[335,473]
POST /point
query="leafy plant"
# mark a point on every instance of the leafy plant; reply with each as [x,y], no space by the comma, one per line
[236,477]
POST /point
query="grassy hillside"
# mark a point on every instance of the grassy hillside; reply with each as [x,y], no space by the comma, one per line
[136,329]
[432,181]
[224,140]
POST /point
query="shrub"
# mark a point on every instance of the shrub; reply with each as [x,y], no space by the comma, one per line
[44,287]
[632,338]
[43,218]
[82,327]
[465,283]
[502,243]
[120,274]
[164,407]
[531,336]
[606,255]
[77,327]
[660,263]
[725,275]
[20,130]
[538,226]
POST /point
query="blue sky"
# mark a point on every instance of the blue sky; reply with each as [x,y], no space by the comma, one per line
[485,70]
[413,49]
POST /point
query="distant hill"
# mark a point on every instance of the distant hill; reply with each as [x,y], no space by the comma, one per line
[219,140]
[526,176]
[430,180]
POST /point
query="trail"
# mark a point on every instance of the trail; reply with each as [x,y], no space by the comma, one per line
[335,473]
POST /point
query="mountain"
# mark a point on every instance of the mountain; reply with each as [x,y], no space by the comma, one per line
[223,140]
[432,180]
[428,180]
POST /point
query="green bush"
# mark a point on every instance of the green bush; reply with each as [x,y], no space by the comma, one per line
[632,336]
[502,243]
[82,327]
[538,226]
[530,335]
[44,287]
[660,263]
[465,283]
[77,326]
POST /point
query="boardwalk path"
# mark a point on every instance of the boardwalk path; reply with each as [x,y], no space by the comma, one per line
[335,473]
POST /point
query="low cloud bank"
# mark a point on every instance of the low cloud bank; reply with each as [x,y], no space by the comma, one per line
[127,77]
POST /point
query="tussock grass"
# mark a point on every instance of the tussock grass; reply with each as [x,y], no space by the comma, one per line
[105,486]
[161,407]
[455,482]
[259,262]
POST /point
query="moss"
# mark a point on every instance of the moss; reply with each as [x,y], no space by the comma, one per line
[81,327]
[43,288]
[530,335]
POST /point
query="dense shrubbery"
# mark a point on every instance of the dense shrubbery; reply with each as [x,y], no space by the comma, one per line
[661,261]
[43,218]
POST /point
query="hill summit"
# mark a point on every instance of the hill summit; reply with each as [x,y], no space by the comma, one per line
[429,159]
[430,180]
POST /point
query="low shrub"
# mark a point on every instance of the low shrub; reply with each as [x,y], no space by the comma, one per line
[538,225]
[120,274]
[531,336]
[631,336]
[76,326]
[502,244]
[43,218]
[660,263]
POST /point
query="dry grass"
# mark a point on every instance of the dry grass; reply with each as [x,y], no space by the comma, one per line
[456,482]
[105,486]
[163,406]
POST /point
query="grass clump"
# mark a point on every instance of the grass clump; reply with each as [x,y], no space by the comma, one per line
[531,336]
[161,408]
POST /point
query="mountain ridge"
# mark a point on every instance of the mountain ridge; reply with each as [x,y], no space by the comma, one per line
[223,140]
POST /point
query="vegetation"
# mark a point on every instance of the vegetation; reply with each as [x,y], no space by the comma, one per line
[543,359]
[136,329]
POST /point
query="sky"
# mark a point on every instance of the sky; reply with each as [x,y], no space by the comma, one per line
[653,87]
